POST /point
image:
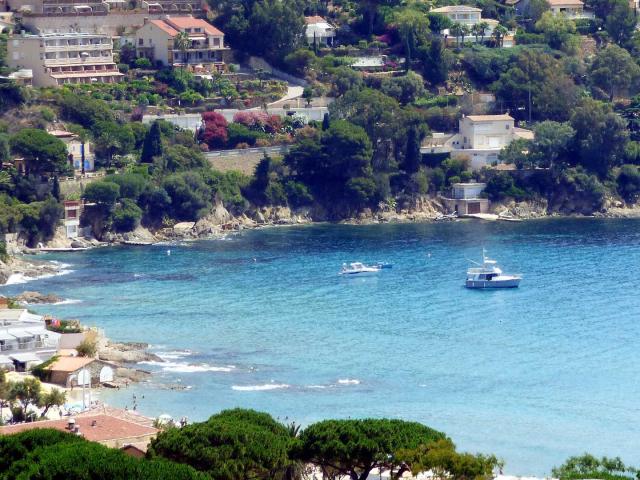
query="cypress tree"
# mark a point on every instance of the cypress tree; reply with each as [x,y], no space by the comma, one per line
[152,146]
[326,123]
[55,189]
[413,157]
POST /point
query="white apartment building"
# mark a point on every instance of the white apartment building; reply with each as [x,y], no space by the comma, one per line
[63,58]
[158,40]
[24,339]
[480,139]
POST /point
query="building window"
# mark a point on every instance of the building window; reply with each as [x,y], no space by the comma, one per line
[141,41]
[506,126]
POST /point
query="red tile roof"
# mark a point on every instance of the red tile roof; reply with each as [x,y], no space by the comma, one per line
[70,364]
[107,427]
[162,25]
[314,19]
[182,23]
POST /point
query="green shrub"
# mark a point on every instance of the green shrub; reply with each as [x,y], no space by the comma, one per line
[238,133]
[190,195]
[628,183]
[501,185]
[102,192]
[297,193]
[131,184]
[142,63]
[126,216]
[87,348]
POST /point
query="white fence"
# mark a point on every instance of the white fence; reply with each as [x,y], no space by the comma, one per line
[279,149]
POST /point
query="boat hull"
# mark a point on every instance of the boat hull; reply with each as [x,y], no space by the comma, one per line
[481,284]
[359,274]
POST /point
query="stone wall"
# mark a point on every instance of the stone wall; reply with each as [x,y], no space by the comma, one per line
[76,186]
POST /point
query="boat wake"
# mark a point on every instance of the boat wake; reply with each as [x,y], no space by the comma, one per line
[67,301]
[259,388]
[349,381]
[20,278]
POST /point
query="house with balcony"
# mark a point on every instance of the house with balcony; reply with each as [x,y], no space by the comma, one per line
[479,140]
[569,8]
[24,340]
[470,16]
[318,31]
[64,58]
[161,41]
[466,199]
[79,152]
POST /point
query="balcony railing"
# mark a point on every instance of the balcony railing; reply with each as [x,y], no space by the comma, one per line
[78,48]
[50,62]
[17,347]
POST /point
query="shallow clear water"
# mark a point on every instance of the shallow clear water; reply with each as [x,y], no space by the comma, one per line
[262,320]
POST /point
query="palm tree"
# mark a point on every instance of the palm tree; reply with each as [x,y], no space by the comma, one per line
[296,468]
[464,31]
[498,34]
[475,31]
[182,43]
[456,31]
[482,28]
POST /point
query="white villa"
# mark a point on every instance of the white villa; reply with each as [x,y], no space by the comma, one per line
[569,8]
[24,339]
[480,139]
[319,30]
[470,16]
[76,150]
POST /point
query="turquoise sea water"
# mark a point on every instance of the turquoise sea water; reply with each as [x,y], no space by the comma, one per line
[262,320]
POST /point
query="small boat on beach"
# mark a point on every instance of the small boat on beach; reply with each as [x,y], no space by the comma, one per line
[359,268]
[489,275]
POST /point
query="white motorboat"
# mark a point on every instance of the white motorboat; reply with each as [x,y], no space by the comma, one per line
[358,268]
[489,275]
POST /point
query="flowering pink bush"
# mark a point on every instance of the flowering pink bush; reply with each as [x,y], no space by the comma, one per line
[214,130]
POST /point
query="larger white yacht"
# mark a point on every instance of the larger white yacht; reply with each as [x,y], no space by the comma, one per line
[489,275]
[358,268]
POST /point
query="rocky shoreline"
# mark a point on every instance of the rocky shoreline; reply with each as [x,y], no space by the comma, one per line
[220,222]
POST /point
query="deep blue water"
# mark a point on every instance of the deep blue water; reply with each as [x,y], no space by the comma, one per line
[533,375]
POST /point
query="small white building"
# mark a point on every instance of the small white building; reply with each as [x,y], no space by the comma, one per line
[24,339]
[72,212]
[319,31]
[466,199]
[479,141]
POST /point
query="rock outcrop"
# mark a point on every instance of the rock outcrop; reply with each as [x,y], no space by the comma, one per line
[26,268]
[37,297]
[523,210]
[128,352]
